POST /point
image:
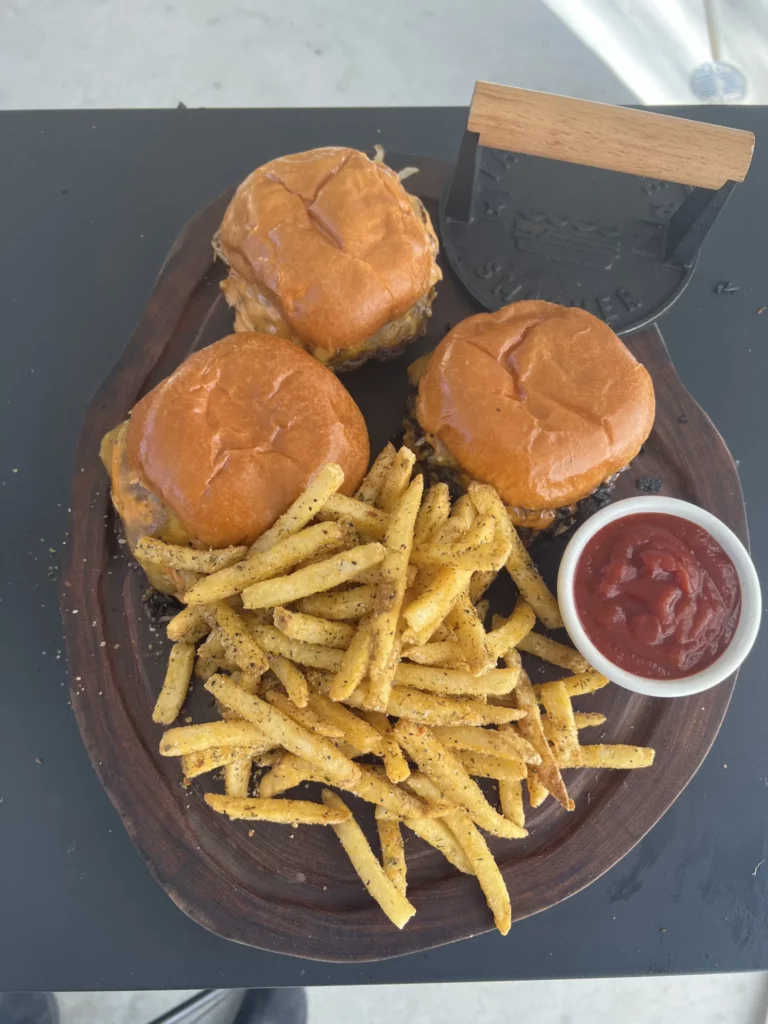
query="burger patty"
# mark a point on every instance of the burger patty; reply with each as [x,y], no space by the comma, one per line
[254,312]
[438,466]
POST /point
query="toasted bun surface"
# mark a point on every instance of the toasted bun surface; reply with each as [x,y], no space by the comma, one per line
[333,241]
[234,435]
[540,400]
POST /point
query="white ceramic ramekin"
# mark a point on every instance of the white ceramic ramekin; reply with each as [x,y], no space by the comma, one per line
[751,603]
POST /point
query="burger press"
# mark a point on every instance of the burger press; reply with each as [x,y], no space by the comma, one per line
[584,204]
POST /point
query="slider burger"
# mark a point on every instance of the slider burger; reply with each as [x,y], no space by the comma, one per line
[542,401]
[216,452]
[327,248]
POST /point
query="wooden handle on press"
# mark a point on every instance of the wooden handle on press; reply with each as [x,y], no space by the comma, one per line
[616,138]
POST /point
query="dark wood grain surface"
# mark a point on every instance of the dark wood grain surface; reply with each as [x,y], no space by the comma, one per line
[299,895]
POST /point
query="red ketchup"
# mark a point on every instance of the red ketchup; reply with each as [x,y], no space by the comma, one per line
[657,595]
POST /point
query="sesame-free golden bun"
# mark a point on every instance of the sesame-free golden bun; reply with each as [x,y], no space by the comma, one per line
[218,450]
[328,249]
[542,401]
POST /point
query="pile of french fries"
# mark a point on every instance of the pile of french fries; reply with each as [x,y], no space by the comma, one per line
[348,647]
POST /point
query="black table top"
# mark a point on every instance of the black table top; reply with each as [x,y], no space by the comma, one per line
[89,205]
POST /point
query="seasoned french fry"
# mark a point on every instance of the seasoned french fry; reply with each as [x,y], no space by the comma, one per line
[395,763]
[481,529]
[256,616]
[437,834]
[394,904]
[292,678]
[486,558]
[390,593]
[354,664]
[307,505]
[452,778]
[531,729]
[553,652]
[212,647]
[250,682]
[459,537]
[313,630]
[588,719]
[239,645]
[314,578]
[286,812]
[367,520]
[503,743]
[368,577]
[262,565]
[396,483]
[284,731]
[530,584]
[237,777]
[189,626]
[486,500]
[267,759]
[489,766]
[370,488]
[470,635]
[190,739]
[435,509]
[427,611]
[444,654]
[464,511]
[207,667]
[449,532]
[454,681]
[479,584]
[442,632]
[392,852]
[562,725]
[426,789]
[484,866]
[371,785]
[287,772]
[537,791]
[583,720]
[511,632]
[208,760]
[396,801]
[347,749]
[583,682]
[518,745]
[339,605]
[434,709]
[176,684]
[609,755]
[176,556]
[372,576]
[511,800]
[305,716]
[356,731]
[481,610]
[271,640]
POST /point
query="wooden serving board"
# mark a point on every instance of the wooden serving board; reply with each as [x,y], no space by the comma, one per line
[293,890]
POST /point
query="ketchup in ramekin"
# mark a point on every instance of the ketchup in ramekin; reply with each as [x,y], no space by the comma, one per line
[657,595]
